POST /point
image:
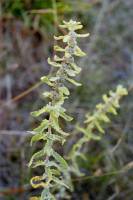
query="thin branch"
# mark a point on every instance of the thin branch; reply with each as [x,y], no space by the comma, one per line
[14,132]
[125,169]
[14,190]
[21,95]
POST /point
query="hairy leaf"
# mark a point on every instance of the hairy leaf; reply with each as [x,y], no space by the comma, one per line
[64,90]
[60,182]
[73,82]
[79,52]
[37,137]
[36,156]
[54,64]
[60,160]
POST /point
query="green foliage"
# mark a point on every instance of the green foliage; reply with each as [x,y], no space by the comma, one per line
[93,125]
[57,173]
[50,131]
[46,12]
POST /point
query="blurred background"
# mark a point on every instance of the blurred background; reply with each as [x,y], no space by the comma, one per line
[26,40]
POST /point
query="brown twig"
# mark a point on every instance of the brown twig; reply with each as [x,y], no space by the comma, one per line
[14,190]
[23,94]
[16,98]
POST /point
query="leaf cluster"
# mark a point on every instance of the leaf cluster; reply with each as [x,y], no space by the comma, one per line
[57,172]
[94,124]
[49,129]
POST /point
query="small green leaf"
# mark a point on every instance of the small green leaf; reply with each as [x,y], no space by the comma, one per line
[55,137]
[38,163]
[53,79]
[58,37]
[70,72]
[45,79]
[73,82]
[104,118]
[54,64]
[66,38]
[56,58]
[58,129]
[121,90]
[90,135]
[100,106]
[75,67]
[47,94]
[65,116]
[71,25]
[39,112]
[105,98]
[54,164]
[43,126]
[79,52]
[64,90]
[37,137]
[57,48]
[60,182]
[98,126]
[112,110]
[45,109]
[60,160]
[83,35]
[36,156]
[55,172]
[83,130]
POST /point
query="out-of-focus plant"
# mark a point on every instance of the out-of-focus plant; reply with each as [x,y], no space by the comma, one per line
[50,131]
[40,14]
[93,123]
[98,118]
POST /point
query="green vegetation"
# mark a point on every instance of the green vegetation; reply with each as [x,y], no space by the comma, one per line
[95,148]
[56,170]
